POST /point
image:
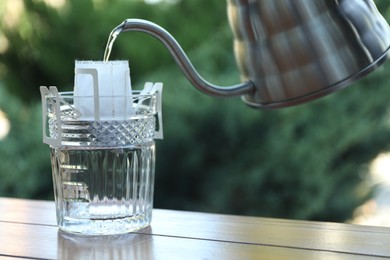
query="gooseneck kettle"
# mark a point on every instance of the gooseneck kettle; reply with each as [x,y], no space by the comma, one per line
[290,51]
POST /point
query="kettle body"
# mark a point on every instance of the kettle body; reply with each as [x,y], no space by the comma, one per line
[297,50]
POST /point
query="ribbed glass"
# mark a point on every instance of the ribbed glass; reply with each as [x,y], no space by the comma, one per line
[104,190]
[103,170]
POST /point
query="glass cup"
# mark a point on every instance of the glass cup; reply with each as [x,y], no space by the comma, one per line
[103,170]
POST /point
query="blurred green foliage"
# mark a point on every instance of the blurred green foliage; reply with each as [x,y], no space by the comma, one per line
[24,167]
[305,162]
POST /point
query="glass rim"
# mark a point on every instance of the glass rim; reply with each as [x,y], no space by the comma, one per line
[134,94]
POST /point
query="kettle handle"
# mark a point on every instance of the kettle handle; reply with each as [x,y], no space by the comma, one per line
[182,60]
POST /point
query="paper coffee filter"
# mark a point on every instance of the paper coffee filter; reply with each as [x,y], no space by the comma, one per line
[103,90]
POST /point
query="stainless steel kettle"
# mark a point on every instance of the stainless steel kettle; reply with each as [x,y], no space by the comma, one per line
[291,51]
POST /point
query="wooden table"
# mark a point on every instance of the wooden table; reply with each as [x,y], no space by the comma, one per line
[28,231]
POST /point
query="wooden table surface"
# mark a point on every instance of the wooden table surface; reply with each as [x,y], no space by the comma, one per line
[28,231]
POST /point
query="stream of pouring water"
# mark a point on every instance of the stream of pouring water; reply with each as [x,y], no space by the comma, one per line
[111,39]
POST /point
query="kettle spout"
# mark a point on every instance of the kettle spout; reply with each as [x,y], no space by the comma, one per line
[182,60]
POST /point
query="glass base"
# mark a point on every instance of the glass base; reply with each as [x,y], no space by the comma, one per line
[105,226]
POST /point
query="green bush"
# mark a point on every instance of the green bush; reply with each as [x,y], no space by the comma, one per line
[306,162]
[25,161]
